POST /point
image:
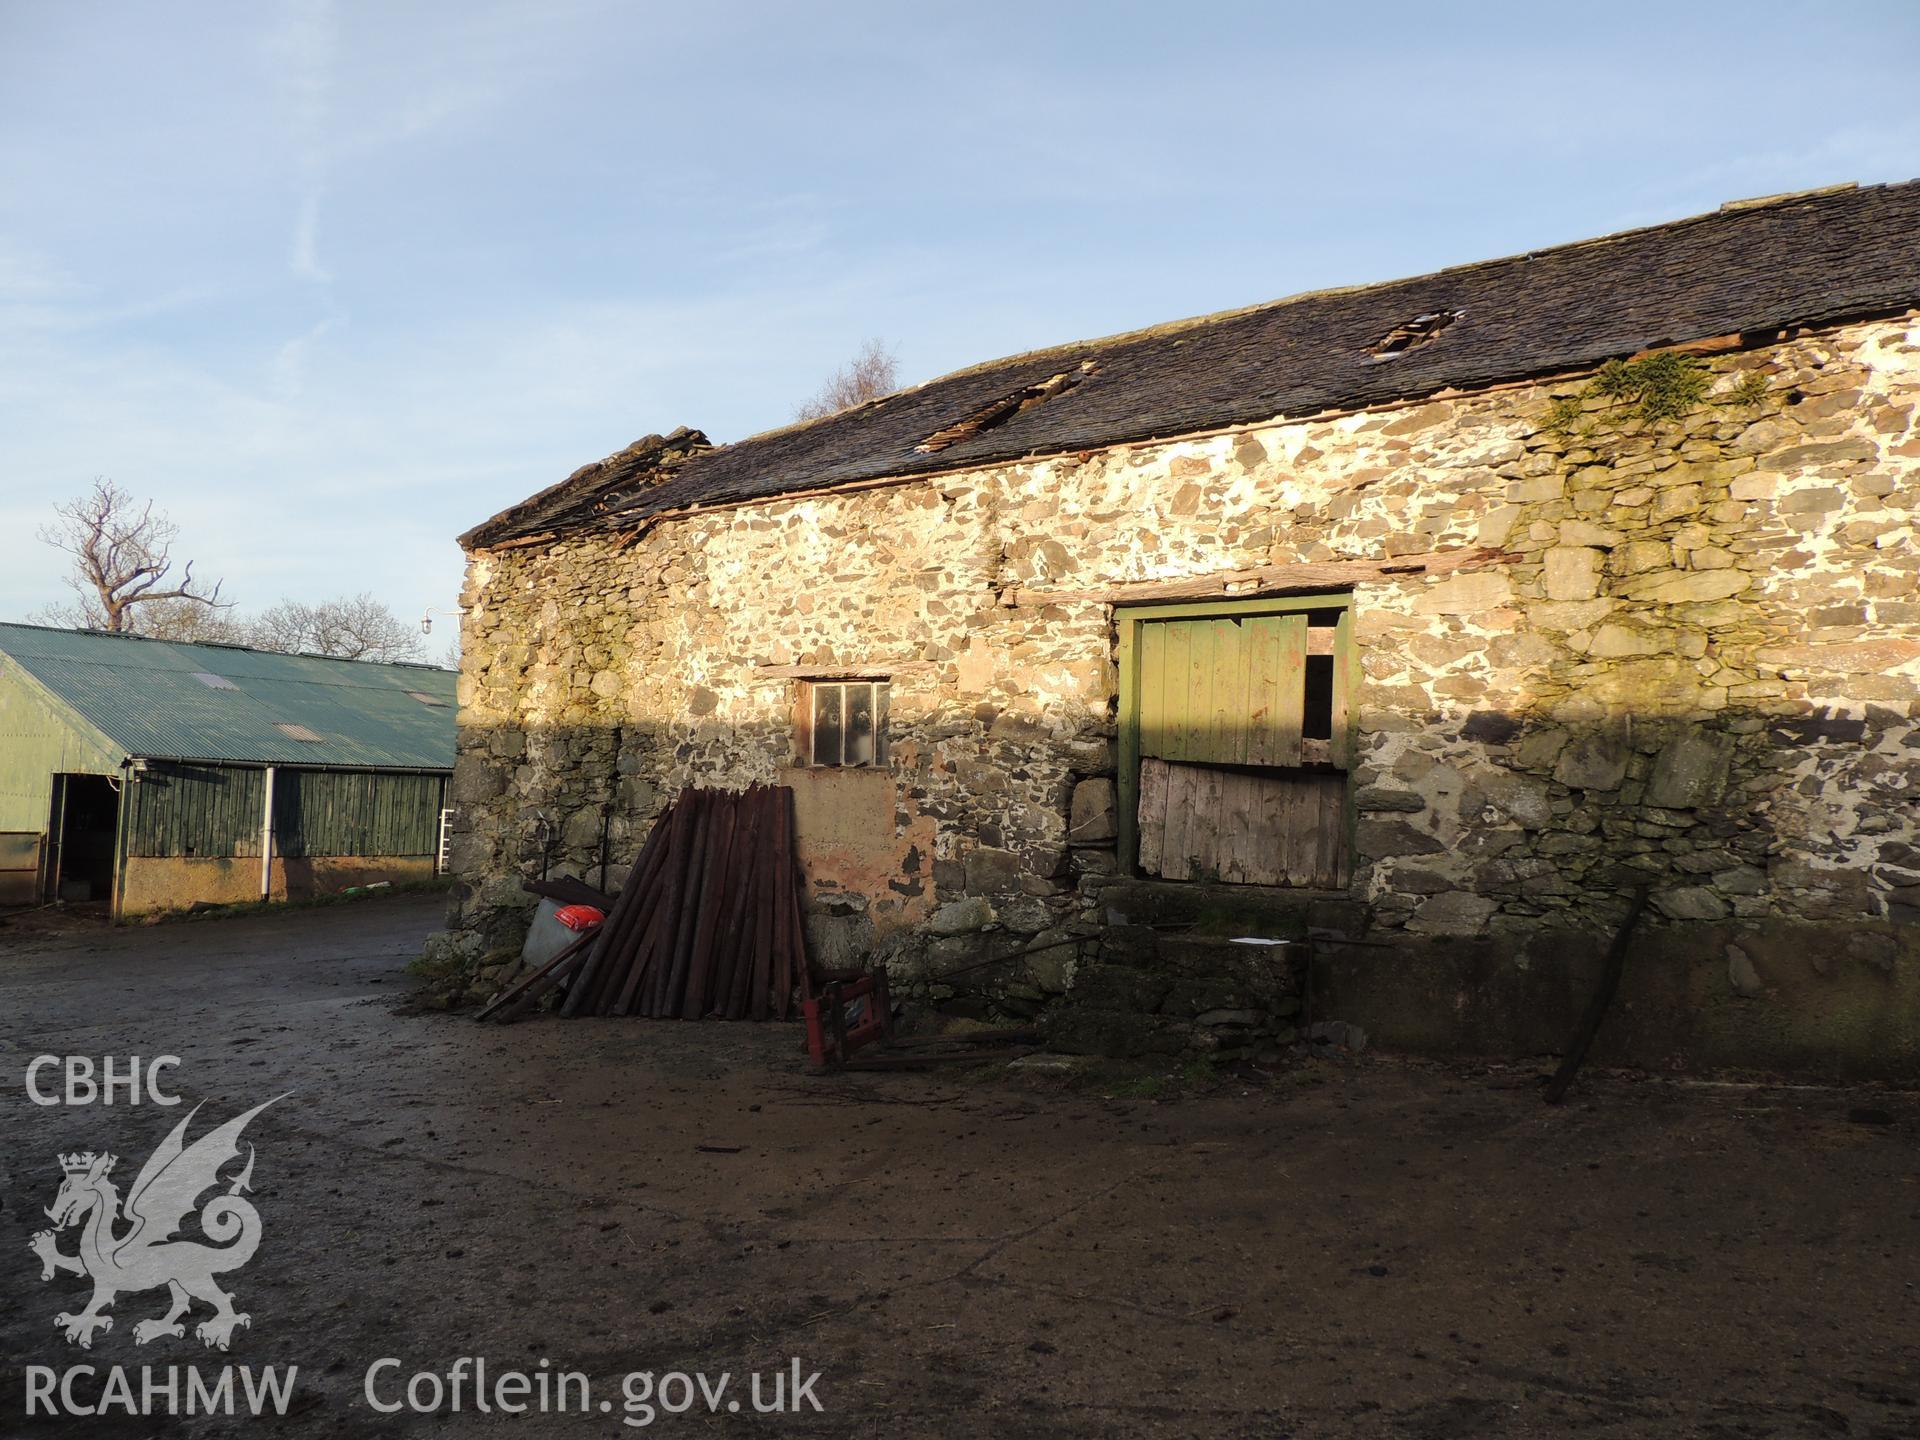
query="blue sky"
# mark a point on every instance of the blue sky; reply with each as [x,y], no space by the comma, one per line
[333,281]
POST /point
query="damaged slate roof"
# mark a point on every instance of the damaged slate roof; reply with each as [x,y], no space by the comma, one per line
[1748,268]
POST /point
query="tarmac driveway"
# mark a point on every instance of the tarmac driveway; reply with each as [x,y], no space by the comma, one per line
[1374,1248]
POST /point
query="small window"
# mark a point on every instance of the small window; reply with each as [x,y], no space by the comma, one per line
[297,732]
[844,722]
[214,682]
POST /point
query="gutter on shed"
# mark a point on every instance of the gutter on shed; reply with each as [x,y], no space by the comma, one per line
[284,765]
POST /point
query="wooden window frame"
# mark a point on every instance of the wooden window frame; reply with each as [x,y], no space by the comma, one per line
[1128,620]
[804,710]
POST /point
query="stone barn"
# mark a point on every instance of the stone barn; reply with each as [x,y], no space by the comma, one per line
[1425,622]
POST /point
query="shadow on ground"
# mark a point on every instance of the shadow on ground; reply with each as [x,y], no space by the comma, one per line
[1367,1248]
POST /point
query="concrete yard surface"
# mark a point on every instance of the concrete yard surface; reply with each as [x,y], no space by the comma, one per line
[1364,1247]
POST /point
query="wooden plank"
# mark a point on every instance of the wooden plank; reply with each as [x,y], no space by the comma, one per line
[1227,712]
[1130,640]
[1239,795]
[749,838]
[1152,813]
[1304,822]
[1213,723]
[1177,704]
[1346,680]
[1263,681]
[663,907]
[1210,819]
[1168,828]
[1333,819]
[1172,681]
[1301,838]
[1303,578]
[1201,674]
[1187,814]
[740,993]
[1287,707]
[858,672]
[521,995]
[759,998]
[664,999]
[614,932]
[722,869]
[1308,814]
[1175,853]
[1221,789]
[1224,790]
[1249,697]
[795,959]
[1152,710]
[1272,869]
[1266,867]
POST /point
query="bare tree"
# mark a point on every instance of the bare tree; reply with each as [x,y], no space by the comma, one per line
[356,627]
[122,552]
[185,621]
[874,371]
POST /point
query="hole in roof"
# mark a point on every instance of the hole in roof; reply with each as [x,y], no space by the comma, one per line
[214,682]
[988,417]
[1421,330]
[426,699]
[297,732]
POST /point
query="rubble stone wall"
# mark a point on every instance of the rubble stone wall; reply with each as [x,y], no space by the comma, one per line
[1693,667]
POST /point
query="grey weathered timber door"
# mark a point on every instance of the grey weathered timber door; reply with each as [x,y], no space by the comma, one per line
[1203,822]
[1235,739]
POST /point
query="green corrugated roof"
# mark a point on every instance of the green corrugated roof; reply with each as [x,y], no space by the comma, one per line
[145,696]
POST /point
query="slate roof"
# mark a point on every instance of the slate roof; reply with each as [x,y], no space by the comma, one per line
[146,697]
[1748,268]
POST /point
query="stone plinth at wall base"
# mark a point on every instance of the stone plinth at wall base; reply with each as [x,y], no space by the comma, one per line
[1223,910]
[1162,973]
[1121,1034]
[1820,1001]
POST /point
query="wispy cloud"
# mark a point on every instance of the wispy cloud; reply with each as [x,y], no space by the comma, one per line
[28,277]
[304,258]
[290,363]
[305,52]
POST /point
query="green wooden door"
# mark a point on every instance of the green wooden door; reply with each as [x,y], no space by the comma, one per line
[1222,691]
[1241,715]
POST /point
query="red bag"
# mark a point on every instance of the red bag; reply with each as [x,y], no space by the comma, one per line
[578,917]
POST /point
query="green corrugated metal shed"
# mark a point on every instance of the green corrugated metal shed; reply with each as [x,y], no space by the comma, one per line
[155,774]
[163,700]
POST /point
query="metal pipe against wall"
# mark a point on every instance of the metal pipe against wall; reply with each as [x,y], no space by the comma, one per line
[266,841]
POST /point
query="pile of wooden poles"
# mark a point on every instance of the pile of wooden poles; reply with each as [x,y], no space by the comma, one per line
[707,924]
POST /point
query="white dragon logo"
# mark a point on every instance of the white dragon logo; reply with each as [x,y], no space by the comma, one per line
[145,1256]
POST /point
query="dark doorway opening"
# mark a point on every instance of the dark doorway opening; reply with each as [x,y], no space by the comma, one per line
[86,832]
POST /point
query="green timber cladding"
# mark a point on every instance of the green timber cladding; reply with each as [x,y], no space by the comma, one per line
[183,810]
[144,771]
